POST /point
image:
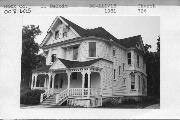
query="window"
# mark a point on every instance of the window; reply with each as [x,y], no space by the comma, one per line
[65,34]
[119,70]
[143,84]
[124,81]
[139,79]
[132,81]
[57,34]
[114,52]
[123,66]
[129,58]
[75,53]
[114,73]
[53,57]
[92,49]
[138,60]
[74,75]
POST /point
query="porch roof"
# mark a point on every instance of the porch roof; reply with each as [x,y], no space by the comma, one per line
[74,64]
[42,69]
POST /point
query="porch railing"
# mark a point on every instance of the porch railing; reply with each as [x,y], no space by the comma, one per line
[80,92]
[61,96]
[46,94]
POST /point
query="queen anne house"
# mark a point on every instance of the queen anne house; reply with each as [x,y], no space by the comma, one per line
[84,66]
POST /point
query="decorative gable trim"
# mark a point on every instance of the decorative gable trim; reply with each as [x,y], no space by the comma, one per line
[57,65]
[50,31]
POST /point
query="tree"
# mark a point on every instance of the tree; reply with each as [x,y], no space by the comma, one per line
[153,70]
[29,58]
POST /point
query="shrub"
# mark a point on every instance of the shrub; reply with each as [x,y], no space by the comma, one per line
[31,97]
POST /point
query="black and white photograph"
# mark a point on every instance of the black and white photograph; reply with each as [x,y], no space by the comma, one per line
[90,62]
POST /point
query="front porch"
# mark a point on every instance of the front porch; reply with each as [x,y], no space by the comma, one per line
[83,83]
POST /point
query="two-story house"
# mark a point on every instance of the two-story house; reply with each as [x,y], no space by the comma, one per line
[83,66]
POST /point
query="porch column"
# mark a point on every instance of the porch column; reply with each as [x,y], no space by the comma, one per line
[32,81]
[83,77]
[35,80]
[49,81]
[89,73]
[69,77]
[53,80]
[45,82]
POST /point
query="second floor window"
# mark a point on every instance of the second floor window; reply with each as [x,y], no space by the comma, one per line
[138,60]
[75,53]
[57,34]
[114,73]
[92,49]
[123,66]
[53,57]
[119,70]
[114,52]
[129,58]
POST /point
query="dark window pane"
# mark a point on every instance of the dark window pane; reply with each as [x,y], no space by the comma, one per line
[114,52]
[56,34]
[92,49]
[114,73]
[129,58]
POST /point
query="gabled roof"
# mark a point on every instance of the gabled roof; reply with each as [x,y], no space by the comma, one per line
[74,64]
[76,27]
[97,32]
[130,41]
[102,33]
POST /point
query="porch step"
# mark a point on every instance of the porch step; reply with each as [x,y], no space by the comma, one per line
[50,101]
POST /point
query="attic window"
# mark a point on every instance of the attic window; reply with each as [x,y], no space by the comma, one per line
[53,57]
[65,34]
[57,34]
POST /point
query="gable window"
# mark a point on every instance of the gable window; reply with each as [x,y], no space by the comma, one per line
[123,66]
[129,58]
[65,34]
[75,53]
[138,60]
[119,70]
[92,49]
[114,73]
[114,52]
[132,81]
[53,57]
[57,34]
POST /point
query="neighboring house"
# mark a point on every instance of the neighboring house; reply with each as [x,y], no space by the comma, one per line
[85,65]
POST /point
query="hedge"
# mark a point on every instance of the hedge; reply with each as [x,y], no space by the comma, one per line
[31,97]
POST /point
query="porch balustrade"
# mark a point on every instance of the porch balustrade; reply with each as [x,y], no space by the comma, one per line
[79,92]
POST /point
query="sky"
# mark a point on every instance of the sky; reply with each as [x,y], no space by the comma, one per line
[119,26]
